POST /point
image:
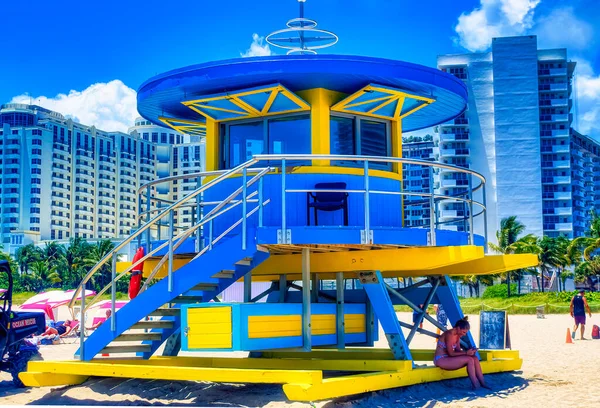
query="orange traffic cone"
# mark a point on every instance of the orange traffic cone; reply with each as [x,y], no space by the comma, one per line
[438,332]
[569,338]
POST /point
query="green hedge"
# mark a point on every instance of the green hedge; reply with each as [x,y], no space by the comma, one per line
[499,291]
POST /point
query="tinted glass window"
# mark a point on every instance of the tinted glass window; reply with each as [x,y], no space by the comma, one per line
[245,140]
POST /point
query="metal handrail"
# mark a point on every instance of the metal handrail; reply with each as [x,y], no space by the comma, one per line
[151,222]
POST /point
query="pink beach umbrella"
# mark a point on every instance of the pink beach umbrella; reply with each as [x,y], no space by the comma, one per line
[106,304]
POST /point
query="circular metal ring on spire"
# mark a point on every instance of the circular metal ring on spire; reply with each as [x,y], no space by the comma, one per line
[307,39]
[301,23]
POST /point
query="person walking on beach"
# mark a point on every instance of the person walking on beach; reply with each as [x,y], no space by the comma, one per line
[449,355]
[578,307]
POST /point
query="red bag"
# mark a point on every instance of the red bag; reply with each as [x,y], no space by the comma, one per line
[595,332]
[136,274]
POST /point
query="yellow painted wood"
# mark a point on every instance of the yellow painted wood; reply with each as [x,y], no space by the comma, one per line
[233,375]
[209,327]
[357,384]
[354,323]
[260,327]
[36,379]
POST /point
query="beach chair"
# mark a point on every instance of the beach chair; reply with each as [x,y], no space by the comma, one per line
[73,334]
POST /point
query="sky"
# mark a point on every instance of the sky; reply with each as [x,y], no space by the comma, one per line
[87,59]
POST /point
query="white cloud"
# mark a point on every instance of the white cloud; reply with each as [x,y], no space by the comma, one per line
[561,28]
[494,18]
[258,48]
[588,100]
[108,106]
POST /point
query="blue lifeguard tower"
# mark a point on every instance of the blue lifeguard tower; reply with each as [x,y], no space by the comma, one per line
[303,188]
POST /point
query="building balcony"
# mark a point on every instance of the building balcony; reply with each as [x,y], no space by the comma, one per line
[562,180]
[561,164]
[554,118]
[452,137]
[563,210]
[559,86]
[449,214]
[448,183]
[552,72]
[563,226]
[454,152]
[560,149]
[562,195]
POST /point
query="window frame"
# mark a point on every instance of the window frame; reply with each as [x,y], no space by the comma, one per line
[357,119]
[224,136]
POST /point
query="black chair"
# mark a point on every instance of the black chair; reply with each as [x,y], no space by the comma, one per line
[327,201]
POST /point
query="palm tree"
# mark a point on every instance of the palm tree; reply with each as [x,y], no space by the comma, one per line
[93,256]
[44,273]
[529,244]
[553,255]
[580,251]
[509,232]
[74,263]
[27,254]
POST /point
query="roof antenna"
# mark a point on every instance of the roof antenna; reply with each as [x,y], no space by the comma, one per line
[301,36]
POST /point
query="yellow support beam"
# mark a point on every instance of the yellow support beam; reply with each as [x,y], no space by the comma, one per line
[67,369]
[213,146]
[362,383]
[297,363]
[37,379]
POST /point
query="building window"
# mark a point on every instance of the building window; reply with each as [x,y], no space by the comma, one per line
[359,136]
[286,135]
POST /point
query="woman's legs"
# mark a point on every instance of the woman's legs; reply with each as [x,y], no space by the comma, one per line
[479,372]
[50,331]
[454,363]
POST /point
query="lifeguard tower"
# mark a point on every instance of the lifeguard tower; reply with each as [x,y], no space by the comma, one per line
[303,188]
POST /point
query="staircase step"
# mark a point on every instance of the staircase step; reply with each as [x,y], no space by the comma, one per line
[153,324]
[146,348]
[244,262]
[187,299]
[139,337]
[224,274]
[205,286]
[166,312]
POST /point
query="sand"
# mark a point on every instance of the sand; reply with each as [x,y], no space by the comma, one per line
[553,373]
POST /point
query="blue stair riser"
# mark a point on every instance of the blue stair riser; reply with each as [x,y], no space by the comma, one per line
[222,257]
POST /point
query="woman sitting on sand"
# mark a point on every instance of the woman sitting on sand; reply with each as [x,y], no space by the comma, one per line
[449,355]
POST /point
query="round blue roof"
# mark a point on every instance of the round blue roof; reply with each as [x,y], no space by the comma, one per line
[162,95]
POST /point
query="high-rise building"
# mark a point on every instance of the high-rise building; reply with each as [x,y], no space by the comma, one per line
[61,179]
[417,179]
[516,132]
[585,180]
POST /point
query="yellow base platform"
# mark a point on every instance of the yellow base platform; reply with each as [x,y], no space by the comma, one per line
[300,373]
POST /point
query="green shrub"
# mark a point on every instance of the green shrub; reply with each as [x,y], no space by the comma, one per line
[499,291]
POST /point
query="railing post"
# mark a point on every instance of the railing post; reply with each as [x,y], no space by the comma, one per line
[82,323]
[139,218]
[367,238]
[260,202]
[283,218]
[244,205]
[306,315]
[471,241]
[170,277]
[432,215]
[113,294]
[485,222]
[210,234]
[199,199]
[339,300]
[148,217]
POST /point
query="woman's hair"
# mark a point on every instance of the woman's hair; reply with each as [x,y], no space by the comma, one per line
[462,324]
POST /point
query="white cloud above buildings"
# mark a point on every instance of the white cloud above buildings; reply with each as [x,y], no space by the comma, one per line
[258,48]
[587,84]
[562,28]
[494,18]
[108,106]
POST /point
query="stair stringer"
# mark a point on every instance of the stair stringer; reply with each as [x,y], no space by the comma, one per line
[221,257]
[207,296]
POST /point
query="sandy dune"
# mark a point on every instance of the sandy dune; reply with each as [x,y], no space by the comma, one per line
[554,373]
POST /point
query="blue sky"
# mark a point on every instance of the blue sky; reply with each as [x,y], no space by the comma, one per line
[86,59]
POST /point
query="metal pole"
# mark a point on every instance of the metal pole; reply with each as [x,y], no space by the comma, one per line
[82,324]
[471,241]
[244,204]
[199,199]
[314,288]
[339,313]
[260,202]
[283,220]
[148,249]
[139,218]
[248,287]
[210,234]
[171,222]
[432,216]
[485,222]
[367,207]
[306,316]
[282,287]
[113,294]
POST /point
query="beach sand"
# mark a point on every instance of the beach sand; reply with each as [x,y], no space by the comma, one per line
[553,373]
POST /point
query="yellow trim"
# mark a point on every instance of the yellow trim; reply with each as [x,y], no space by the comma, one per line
[195,128]
[248,110]
[213,145]
[396,140]
[261,327]
[346,105]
